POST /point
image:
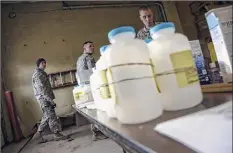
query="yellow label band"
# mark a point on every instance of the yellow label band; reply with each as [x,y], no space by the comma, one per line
[104,90]
[78,95]
[111,86]
[183,60]
[81,96]
[154,74]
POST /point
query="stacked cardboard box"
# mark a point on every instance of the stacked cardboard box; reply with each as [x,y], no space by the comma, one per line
[220,25]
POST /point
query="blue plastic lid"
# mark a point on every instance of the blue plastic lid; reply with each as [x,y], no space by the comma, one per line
[76,86]
[212,20]
[119,30]
[148,40]
[103,48]
[160,26]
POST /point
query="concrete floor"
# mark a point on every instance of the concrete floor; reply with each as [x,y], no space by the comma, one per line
[81,143]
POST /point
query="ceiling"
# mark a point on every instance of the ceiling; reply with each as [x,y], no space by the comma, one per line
[77,3]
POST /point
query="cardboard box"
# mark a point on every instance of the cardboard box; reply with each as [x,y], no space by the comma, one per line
[220,25]
[199,61]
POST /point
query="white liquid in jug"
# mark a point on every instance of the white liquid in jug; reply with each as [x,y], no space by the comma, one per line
[130,75]
[177,76]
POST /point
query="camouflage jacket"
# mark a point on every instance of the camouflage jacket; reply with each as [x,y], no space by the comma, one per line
[85,64]
[41,86]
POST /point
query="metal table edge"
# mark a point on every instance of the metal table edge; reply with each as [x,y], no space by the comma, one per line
[126,143]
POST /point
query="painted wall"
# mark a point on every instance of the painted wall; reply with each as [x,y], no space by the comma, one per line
[172,14]
[40,30]
[187,19]
[190,30]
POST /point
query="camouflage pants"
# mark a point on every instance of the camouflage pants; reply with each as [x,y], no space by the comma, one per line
[49,118]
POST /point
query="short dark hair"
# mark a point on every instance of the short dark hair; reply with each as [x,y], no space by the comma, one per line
[87,42]
[39,61]
[144,7]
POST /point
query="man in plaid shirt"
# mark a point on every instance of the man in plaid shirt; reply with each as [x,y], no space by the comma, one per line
[146,16]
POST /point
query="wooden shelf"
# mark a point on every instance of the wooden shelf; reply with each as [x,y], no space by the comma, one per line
[68,71]
[218,87]
[65,85]
[63,79]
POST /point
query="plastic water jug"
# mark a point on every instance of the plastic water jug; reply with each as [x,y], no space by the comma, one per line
[95,83]
[130,76]
[100,89]
[174,67]
[96,80]
[107,100]
[101,68]
[82,94]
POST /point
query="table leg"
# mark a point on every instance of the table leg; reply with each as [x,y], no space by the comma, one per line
[80,120]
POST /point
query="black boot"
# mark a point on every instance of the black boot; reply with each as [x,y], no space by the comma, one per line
[58,136]
[38,136]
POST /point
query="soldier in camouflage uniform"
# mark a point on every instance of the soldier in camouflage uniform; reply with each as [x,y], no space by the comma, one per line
[146,16]
[45,96]
[85,64]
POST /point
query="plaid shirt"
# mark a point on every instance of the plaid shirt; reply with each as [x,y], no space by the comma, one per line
[144,33]
[85,64]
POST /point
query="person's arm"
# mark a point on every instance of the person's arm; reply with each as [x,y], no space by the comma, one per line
[81,64]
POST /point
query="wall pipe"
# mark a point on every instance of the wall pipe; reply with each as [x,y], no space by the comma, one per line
[116,5]
[13,116]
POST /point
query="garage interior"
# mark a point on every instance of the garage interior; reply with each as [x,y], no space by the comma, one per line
[56,32]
